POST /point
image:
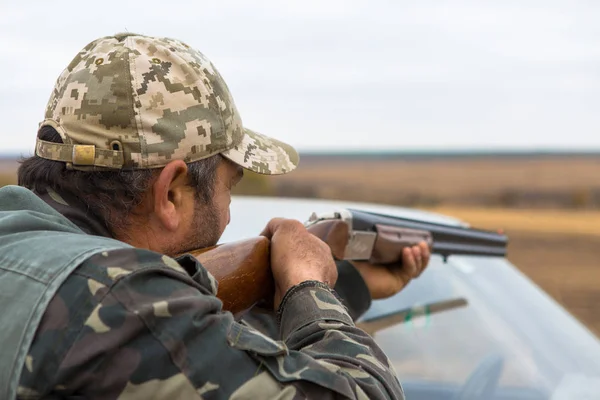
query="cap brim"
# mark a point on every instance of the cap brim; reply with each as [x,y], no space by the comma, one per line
[263,155]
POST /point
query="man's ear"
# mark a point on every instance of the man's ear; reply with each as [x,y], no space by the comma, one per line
[169,190]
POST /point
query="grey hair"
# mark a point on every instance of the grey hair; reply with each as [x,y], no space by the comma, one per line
[110,195]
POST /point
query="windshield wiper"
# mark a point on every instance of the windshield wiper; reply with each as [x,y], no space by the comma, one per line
[380,322]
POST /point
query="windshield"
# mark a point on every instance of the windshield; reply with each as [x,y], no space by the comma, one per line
[470,328]
[503,330]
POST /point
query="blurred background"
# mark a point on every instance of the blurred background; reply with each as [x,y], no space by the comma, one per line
[486,111]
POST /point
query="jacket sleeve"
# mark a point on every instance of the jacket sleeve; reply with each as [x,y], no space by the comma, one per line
[352,289]
[156,333]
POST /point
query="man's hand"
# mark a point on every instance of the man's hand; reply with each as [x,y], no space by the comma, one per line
[385,281]
[297,256]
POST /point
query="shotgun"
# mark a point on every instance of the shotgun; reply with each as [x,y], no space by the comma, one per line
[243,270]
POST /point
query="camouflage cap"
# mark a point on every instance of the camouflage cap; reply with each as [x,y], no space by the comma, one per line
[134,101]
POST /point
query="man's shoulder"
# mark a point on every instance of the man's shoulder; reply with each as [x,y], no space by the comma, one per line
[100,307]
[97,278]
[109,267]
[101,282]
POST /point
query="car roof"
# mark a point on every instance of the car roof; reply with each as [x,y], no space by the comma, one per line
[283,207]
[250,214]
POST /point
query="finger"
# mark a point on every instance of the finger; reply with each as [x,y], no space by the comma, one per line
[425,256]
[271,227]
[281,224]
[416,250]
[425,252]
[408,262]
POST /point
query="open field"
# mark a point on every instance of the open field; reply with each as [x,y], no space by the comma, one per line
[532,221]
[544,181]
[8,172]
[6,179]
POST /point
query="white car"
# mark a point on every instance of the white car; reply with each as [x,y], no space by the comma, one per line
[472,327]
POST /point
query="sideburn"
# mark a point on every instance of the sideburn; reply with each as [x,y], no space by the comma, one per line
[205,230]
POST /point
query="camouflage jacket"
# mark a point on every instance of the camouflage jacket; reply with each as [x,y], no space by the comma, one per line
[132,323]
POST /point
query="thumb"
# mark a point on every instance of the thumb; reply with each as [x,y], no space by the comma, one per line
[271,227]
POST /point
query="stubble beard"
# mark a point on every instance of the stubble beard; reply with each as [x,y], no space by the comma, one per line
[205,229]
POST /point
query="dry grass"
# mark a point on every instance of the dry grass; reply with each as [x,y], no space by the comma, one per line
[569,222]
[8,172]
[8,179]
[456,177]
[453,181]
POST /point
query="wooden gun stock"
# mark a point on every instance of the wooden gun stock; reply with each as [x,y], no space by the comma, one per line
[243,268]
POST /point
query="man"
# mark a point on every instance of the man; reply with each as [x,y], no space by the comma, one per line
[134,164]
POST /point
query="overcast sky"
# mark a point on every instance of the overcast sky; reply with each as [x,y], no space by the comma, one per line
[345,75]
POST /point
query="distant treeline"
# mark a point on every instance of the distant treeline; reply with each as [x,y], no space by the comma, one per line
[315,157]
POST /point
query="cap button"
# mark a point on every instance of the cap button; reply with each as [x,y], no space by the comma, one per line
[121,36]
